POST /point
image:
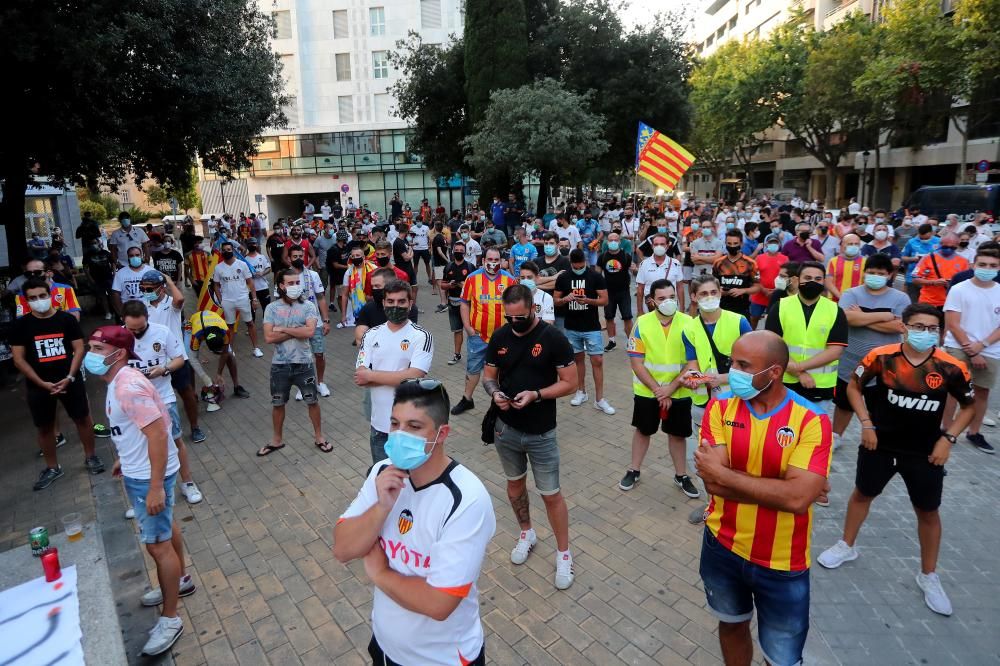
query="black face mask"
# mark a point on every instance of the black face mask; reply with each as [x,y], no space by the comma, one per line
[564,251]
[378,295]
[804,235]
[811,290]
[523,325]
[459,256]
[298,263]
[382,261]
[733,251]
[397,314]
[228,255]
[357,261]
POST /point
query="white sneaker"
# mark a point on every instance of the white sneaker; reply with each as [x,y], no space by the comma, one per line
[257,352]
[155,597]
[130,514]
[837,554]
[604,406]
[523,548]
[298,394]
[323,389]
[987,421]
[934,595]
[564,572]
[163,635]
[578,399]
[212,407]
[191,492]
[836,441]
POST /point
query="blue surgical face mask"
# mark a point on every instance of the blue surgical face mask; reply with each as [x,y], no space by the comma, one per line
[985,274]
[149,296]
[613,245]
[875,282]
[551,250]
[773,248]
[852,250]
[406,450]
[730,226]
[529,283]
[135,262]
[579,271]
[921,340]
[695,226]
[95,363]
[741,383]
[946,251]
[661,230]
[706,232]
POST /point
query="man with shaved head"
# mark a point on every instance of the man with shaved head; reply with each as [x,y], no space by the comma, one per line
[846,270]
[935,270]
[764,457]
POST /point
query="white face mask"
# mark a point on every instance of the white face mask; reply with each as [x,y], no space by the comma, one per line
[668,307]
[41,305]
[709,304]
[293,291]
[881,235]
[781,283]
[659,250]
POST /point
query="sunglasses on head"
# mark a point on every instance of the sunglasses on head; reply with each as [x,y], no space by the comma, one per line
[425,383]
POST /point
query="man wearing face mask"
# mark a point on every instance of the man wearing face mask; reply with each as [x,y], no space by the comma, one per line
[47,346]
[704,251]
[127,237]
[552,264]
[737,275]
[829,244]
[234,289]
[389,354]
[125,286]
[769,263]
[764,457]
[918,247]
[451,284]
[662,392]
[357,286]
[658,266]
[614,263]
[482,313]
[63,296]
[815,330]
[934,272]
[296,239]
[899,393]
[323,243]
[882,244]
[422,523]
[529,364]
[846,270]
[168,260]
[372,313]
[290,324]
[315,293]
[421,246]
[802,247]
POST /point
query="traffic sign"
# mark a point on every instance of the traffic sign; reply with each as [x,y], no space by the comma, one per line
[258,198]
[982,166]
[345,188]
[982,177]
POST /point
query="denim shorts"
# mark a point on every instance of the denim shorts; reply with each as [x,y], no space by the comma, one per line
[175,421]
[475,346]
[152,529]
[735,586]
[285,375]
[757,310]
[517,448]
[317,342]
[591,342]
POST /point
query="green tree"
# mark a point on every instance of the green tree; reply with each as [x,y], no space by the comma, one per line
[187,195]
[528,129]
[431,97]
[976,45]
[171,80]
[97,211]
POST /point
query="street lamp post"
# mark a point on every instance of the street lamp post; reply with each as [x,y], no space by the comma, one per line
[864,175]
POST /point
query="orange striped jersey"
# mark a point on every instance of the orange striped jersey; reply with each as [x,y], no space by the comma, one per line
[63,298]
[199,266]
[485,298]
[846,273]
[796,433]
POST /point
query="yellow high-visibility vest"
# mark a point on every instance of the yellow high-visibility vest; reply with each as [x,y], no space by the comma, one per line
[664,357]
[725,335]
[806,341]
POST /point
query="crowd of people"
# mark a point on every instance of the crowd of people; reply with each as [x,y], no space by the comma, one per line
[754,332]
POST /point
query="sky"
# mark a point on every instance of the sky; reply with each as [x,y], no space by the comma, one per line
[639,11]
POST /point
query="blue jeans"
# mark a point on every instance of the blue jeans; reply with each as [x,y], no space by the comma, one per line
[376,441]
[152,529]
[735,586]
[475,348]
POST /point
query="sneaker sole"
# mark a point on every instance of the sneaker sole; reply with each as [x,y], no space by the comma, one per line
[530,548]
[628,488]
[989,451]
[51,481]
[567,585]
[166,647]
[183,593]
[839,564]
[198,441]
[929,607]
[681,488]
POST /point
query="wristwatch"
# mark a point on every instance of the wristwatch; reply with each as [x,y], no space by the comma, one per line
[951,438]
[166,372]
[71,378]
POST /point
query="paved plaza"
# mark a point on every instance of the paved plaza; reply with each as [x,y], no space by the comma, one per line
[269,590]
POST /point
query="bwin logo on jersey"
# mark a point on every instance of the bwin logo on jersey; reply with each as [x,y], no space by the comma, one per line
[921,404]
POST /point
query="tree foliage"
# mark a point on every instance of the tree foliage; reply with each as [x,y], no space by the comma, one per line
[496,50]
[187,196]
[174,68]
[527,130]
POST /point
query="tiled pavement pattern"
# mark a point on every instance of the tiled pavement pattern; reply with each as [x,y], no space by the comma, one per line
[270,591]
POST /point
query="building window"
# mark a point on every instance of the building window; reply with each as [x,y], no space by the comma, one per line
[291,111]
[732,22]
[343,64]
[382,107]
[340,24]
[430,14]
[376,18]
[380,64]
[345,105]
[282,24]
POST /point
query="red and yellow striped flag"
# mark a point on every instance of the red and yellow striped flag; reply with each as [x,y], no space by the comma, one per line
[206,298]
[659,159]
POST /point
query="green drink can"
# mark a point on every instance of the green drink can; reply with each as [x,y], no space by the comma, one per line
[39,540]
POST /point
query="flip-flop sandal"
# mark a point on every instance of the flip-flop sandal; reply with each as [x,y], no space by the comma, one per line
[268,450]
[325,447]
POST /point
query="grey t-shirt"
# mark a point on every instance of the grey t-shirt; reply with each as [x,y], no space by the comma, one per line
[705,247]
[293,350]
[861,339]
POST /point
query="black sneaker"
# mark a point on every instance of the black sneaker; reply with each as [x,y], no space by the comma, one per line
[463,405]
[455,359]
[94,465]
[60,442]
[197,435]
[610,346]
[686,485]
[48,475]
[629,480]
[441,308]
[241,392]
[980,442]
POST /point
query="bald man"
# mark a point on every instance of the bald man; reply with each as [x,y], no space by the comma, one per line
[846,270]
[765,456]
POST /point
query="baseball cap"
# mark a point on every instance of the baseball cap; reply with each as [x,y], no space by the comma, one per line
[215,339]
[116,336]
[153,277]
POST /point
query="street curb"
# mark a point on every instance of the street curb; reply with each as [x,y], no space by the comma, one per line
[126,565]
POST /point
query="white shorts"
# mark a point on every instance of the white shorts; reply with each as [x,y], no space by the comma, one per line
[686,271]
[231,308]
[439,272]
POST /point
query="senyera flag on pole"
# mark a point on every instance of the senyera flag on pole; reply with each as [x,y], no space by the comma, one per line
[206,298]
[659,159]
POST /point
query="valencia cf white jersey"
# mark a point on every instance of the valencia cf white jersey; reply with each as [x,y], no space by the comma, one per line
[438,532]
